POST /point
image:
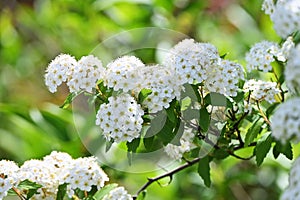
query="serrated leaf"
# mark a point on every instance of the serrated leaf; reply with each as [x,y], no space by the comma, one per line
[204,170]
[253,131]
[204,120]
[105,190]
[285,149]
[262,149]
[69,100]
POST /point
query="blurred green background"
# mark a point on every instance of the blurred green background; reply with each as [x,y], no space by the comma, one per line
[33,32]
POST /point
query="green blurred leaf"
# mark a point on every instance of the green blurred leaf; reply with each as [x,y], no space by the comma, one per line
[62,189]
[204,170]
[144,93]
[105,190]
[69,100]
[220,154]
[217,99]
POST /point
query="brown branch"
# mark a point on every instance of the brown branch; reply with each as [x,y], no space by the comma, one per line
[263,114]
[168,174]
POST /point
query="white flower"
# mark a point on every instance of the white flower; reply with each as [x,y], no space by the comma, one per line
[261,90]
[223,77]
[122,73]
[261,55]
[10,169]
[121,118]
[118,193]
[292,192]
[58,71]
[292,70]
[285,123]
[286,49]
[177,151]
[162,82]
[5,185]
[85,74]
[285,16]
[191,60]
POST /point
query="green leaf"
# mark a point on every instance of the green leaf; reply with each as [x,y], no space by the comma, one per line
[253,131]
[262,149]
[217,99]
[108,145]
[105,190]
[69,100]
[171,111]
[62,189]
[220,154]
[204,170]
[204,120]
[148,142]
[133,145]
[285,149]
[166,134]
[144,93]
[30,187]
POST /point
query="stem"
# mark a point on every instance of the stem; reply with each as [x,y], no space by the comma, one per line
[168,174]
[263,114]
[18,193]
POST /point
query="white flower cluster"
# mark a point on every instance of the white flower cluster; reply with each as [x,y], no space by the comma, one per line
[292,70]
[8,176]
[261,55]
[160,80]
[200,62]
[285,15]
[81,75]
[177,151]
[292,192]
[286,121]
[122,73]
[261,90]
[191,60]
[224,77]
[55,169]
[121,118]
[118,193]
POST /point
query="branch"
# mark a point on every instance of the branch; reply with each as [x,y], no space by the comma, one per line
[168,174]
[263,114]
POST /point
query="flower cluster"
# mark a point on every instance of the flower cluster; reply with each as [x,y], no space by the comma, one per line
[55,169]
[118,193]
[286,121]
[285,15]
[261,90]
[81,75]
[160,80]
[292,70]
[224,77]
[121,118]
[191,60]
[177,151]
[122,73]
[292,192]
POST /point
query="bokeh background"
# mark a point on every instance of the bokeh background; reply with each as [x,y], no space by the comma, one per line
[33,32]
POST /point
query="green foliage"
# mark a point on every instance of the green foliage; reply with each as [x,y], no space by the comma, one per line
[204,170]
[262,148]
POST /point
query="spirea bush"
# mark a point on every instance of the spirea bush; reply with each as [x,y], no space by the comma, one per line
[130,96]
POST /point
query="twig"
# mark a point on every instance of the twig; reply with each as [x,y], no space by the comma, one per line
[263,114]
[168,174]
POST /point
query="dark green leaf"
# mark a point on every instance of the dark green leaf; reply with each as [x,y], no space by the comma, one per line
[105,190]
[166,134]
[30,187]
[133,145]
[285,149]
[144,93]
[204,120]
[171,111]
[220,154]
[148,142]
[62,189]
[204,170]
[253,131]
[108,145]
[262,149]
[178,132]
